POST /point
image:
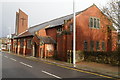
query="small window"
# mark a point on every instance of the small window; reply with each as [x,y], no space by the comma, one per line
[37,32]
[59,29]
[29,44]
[92,45]
[103,45]
[94,22]
[97,45]
[85,45]
[71,27]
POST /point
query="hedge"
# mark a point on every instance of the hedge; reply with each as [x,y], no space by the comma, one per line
[103,57]
[112,58]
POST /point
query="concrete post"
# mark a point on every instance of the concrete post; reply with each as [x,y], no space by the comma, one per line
[24,47]
[18,49]
[41,53]
[33,50]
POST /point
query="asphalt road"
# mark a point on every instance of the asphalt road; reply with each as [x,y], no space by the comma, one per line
[18,67]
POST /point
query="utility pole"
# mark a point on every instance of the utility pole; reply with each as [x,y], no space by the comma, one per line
[9,38]
[74,34]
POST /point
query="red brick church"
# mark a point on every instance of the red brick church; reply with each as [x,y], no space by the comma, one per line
[94,32]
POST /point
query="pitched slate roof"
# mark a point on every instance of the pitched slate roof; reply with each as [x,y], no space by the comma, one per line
[46,39]
[55,22]
[25,34]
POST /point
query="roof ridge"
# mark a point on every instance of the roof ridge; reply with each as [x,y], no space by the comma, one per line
[50,20]
[23,32]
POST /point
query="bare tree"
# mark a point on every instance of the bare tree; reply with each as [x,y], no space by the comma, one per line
[112,10]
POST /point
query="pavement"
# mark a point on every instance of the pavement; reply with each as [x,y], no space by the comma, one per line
[82,69]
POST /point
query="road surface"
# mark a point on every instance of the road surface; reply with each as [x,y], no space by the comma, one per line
[18,67]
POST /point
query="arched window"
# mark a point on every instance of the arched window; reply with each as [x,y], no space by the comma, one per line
[91,22]
[94,23]
[98,23]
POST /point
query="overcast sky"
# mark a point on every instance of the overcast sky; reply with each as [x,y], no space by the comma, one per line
[39,11]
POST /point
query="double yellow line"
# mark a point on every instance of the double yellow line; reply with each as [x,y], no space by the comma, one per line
[69,68]
[79,70]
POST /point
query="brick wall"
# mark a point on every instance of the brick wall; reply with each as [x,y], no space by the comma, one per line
[41,32]
[21,50]
[85,33]
[21,22]
[114,40]
[52,32]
